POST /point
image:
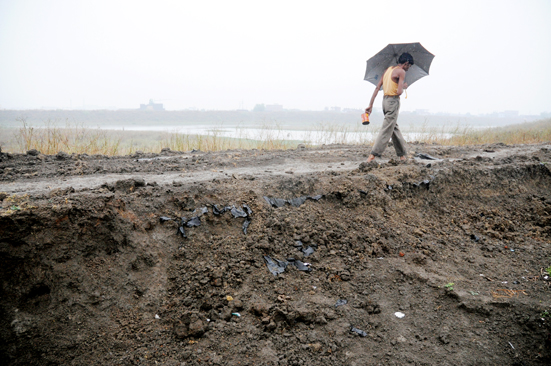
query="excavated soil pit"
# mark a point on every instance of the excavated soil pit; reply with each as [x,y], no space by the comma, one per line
[92,276]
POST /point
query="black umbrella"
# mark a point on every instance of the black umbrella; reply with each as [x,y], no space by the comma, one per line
[388,56]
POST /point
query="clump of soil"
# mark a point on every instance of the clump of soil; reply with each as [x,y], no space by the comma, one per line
[431,262]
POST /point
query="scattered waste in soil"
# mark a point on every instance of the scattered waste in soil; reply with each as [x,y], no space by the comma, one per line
[361,333]
[399,263]
[425,156]
[341,302]
[295,202]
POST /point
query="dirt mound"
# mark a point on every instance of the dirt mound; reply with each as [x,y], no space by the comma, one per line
[432,262]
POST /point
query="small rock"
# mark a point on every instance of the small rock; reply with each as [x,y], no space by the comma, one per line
[259,309]
[238,304]
[33,152]
[217,282]
[345,276]
[272,326]
[181,331]
[197,328]
[321,320]
[226,314]
[316,347]
[444,338]
[62,155]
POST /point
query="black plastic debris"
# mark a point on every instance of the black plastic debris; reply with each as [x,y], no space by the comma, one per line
[275,202]
[425,156]
[295,202]
[201,212]
[194,221]
[308,250]
[299,265]
[220,211]
[358,331]
[182,232]
[248,220]
[275,266]
[475,238]
[237,212]
[362,192]
[164,219]
[246,224]
[341,302]
[423,184]
[247,209]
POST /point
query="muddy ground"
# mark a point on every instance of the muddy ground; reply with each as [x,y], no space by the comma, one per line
[431,262]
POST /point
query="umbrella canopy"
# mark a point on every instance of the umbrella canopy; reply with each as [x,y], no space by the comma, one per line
[389,55]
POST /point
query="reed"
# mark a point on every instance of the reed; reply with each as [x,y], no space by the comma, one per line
[528,133]
[76,138]
[52,139]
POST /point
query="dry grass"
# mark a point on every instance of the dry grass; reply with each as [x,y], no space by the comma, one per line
[78,139]
[527,133]
[71,139]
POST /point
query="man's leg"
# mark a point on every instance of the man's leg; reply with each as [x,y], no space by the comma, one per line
[399,143]
[391,106]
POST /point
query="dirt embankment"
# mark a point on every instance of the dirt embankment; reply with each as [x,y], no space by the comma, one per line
[91,274]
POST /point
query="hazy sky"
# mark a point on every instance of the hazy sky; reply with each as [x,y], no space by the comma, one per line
[490,55]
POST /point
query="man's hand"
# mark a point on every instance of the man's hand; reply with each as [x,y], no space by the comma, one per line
[405,85]
[369,109]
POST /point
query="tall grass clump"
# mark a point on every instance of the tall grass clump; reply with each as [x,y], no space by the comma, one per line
[527,133]
[52,139]
[264,138]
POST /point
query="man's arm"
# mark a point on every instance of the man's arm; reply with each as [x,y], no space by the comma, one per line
[377,88]
[401,84]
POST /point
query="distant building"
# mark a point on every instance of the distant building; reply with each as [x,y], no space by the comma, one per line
[152,106]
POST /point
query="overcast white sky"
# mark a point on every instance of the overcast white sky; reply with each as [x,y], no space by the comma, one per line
[490,55]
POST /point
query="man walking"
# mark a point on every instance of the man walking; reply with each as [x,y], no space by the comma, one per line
[393,85]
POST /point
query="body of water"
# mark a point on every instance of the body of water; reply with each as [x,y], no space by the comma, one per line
[330,135]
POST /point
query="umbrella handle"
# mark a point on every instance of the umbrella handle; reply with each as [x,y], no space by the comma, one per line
[406,94]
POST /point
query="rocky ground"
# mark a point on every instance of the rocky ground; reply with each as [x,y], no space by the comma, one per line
[298,257]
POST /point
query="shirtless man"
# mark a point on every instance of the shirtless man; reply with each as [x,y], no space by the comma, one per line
[393,85]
